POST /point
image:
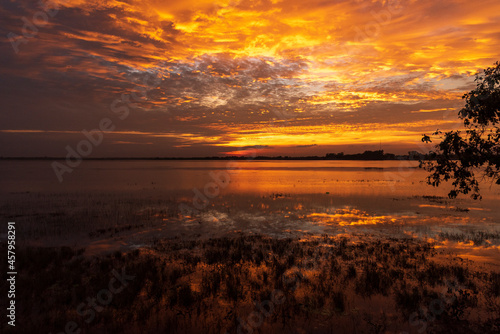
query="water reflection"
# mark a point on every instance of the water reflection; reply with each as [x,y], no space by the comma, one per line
[280,198]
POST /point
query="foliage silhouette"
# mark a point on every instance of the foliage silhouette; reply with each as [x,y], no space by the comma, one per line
[463,156]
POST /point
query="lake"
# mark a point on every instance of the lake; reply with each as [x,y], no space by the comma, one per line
[165,198]
[219,246]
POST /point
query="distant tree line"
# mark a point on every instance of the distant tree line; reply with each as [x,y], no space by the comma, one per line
[375,155]
[366,155]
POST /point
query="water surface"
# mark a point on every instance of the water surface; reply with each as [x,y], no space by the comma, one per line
[279,198]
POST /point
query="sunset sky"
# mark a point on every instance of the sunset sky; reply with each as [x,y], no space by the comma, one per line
[287,77]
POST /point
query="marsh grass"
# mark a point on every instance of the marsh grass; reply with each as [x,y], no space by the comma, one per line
[329,284]
[98,214]
[478,238]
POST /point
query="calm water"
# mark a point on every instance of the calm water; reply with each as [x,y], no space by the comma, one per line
[274,197]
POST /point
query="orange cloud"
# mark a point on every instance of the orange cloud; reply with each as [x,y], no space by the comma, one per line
[344,71]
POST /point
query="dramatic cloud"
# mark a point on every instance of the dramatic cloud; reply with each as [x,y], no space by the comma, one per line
[216,77]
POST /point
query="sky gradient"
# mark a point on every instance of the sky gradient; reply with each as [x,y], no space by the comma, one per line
[203,78]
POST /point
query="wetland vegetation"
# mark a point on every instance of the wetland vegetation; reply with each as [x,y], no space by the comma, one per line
[257,284]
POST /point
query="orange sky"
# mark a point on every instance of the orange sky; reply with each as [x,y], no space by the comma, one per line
[289,77]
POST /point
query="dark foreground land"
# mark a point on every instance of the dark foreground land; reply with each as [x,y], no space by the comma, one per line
[256,284]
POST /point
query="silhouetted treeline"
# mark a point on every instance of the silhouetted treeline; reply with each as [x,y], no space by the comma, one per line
[366,155]
[376,155]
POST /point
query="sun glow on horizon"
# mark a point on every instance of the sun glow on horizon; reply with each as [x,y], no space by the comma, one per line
[232,71]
